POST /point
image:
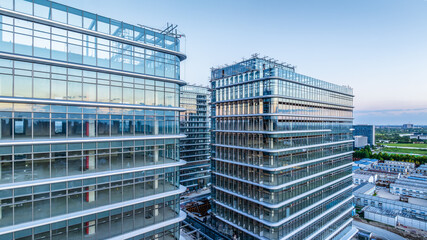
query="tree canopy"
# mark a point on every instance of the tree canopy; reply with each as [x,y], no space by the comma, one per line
[367,153]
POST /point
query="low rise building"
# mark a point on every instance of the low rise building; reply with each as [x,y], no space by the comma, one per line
[393,166]
[360,141]
[371,160]
[359,178]
[394,218]
[385,216]
[384,207]
[422,169]
[365,163]
[414,186]
[385,178]
[419,136]
[380,177]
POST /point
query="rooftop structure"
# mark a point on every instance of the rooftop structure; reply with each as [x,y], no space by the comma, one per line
[281,152]
[365,163]
[89,125]
[394,166]
[412,213]
[414,186]
[422,169]
[359,178]
[372,160]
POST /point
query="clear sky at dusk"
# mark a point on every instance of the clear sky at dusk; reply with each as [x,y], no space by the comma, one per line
[378,47]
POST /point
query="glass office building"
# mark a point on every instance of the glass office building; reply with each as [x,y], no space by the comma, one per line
[195,147]
[367,131]
[89,126]
[281,153]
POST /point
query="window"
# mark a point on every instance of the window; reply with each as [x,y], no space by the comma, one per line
[41,88]
[23,86]
[6,85]
[59,90]
[103,93]
[89,92]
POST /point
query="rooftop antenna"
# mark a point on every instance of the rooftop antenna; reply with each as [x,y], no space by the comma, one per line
[170,29]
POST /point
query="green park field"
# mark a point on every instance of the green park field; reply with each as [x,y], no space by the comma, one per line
[422,145]
[404,150]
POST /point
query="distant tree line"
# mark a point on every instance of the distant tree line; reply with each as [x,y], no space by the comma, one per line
[396,138]
[367,153]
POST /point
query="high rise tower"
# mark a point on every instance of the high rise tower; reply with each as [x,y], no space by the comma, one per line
[89,126]
[195,149]
[281,153]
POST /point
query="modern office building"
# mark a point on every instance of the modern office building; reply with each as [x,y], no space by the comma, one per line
[281,153]
[195,149]
[367,131]
[89,119]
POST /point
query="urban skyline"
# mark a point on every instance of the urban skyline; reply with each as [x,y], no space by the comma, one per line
[370,45]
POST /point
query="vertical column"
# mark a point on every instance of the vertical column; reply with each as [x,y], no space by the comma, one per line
[156,127]
[156,154]
[272,213]
[90,161]
[90,195]
[156,182]
[90,128]
[90,227]
[156,210]
[270,125]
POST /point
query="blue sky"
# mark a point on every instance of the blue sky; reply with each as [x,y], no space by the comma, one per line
[378,47]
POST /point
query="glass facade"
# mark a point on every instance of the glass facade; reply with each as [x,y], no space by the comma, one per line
[281,153]
[367,131]
[89,126]
[195,149]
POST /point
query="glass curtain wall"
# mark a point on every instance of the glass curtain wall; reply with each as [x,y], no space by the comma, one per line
[89,126]
[281,152]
